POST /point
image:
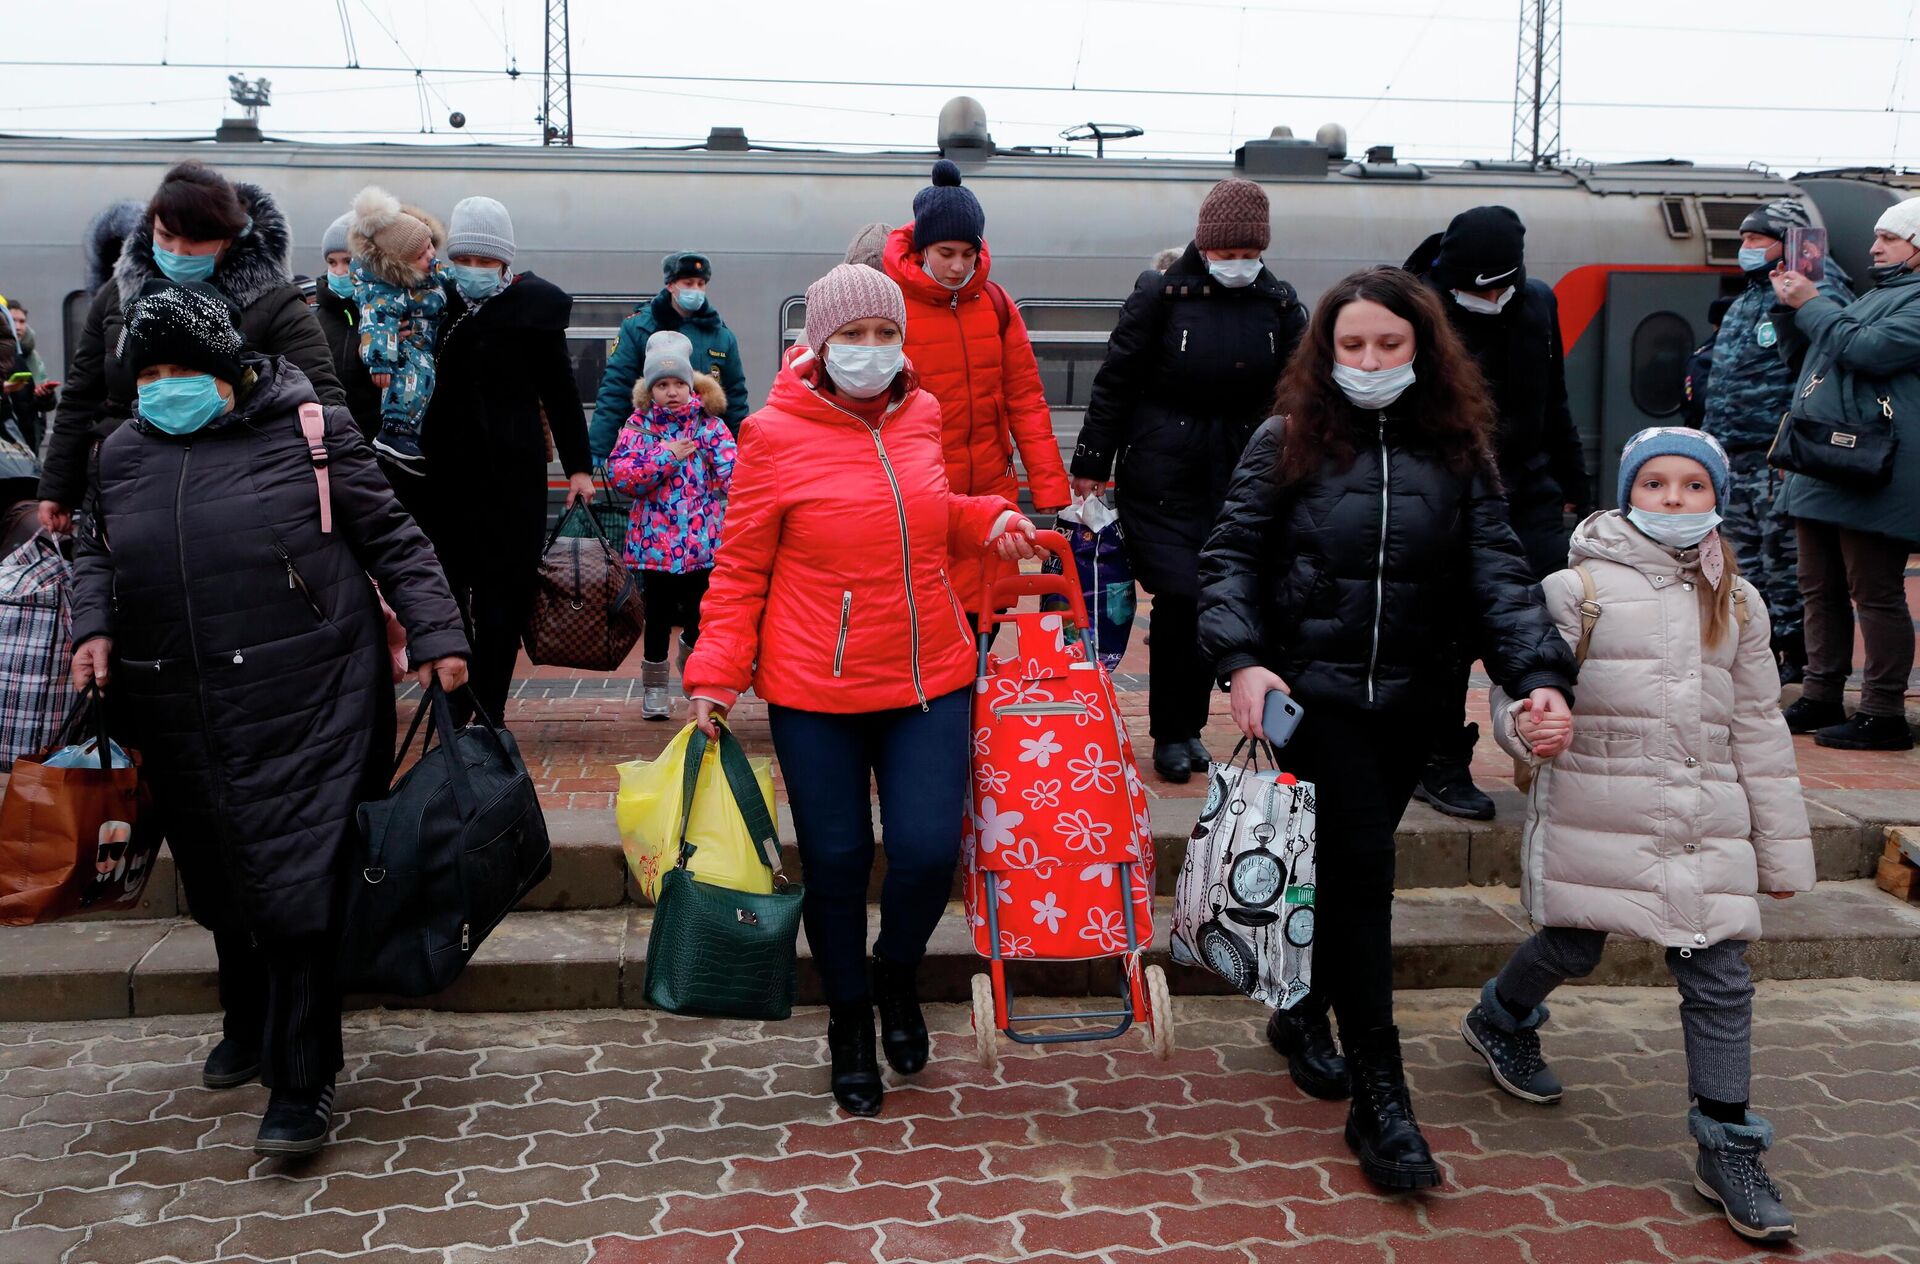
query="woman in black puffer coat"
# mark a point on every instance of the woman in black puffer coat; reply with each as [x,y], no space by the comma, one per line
[1189,373]
[1363,529]
[247,661]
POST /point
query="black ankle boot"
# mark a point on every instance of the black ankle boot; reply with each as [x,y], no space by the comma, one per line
[1381,1129]
[856,1071]
[1313,1061]
[903,1029]
[231,1064]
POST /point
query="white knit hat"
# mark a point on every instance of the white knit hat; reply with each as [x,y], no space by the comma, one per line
[1902,219]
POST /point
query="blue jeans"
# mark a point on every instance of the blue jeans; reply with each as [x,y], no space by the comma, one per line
[830,762]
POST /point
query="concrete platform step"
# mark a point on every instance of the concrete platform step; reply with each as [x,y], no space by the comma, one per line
[596,958]
[1434,850]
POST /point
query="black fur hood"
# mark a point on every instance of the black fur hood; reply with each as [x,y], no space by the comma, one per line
[254,265]
[104,234]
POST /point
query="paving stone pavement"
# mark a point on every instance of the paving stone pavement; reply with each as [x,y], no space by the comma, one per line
[620,1138]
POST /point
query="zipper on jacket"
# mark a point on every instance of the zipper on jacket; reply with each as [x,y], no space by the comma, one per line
[967,634]
[193,648]
[1379,562]
[1273,347]
[846,620]
[1183,340]
[295,582]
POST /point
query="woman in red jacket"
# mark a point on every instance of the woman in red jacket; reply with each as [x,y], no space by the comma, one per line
[832,597]
[969,345]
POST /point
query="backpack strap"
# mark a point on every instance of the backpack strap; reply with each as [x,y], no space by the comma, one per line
[1589,614]
[1001,306]
[313,425]
[1740,611]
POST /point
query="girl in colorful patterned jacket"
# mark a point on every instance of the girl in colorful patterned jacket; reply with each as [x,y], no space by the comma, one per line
[675,458]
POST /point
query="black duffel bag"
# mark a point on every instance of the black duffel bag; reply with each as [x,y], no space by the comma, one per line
[444,857]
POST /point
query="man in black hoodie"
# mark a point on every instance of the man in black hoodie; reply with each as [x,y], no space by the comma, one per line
[1512,326]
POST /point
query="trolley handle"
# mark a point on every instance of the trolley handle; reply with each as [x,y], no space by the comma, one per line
[1005,592]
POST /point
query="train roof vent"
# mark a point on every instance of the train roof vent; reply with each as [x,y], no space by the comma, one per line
[1334,137]
[732,140]
[1381,165]
[1279,156]
[963,126]
[1720,218]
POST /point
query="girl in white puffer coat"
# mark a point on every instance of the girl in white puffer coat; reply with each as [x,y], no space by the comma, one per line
[1663,808]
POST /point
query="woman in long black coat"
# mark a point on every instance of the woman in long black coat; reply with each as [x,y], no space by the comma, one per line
[246,658]
[1190,372]
[1363,532]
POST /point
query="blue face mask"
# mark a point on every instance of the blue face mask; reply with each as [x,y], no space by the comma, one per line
[477,283]
[1754,258]
[1675,530]
[340,283]
[181,405]
[690,301]
[184,268]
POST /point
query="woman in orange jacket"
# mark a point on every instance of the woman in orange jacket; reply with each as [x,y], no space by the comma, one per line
[832,596]
[969,345]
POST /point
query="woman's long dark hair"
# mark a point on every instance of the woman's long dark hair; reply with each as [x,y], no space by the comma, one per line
[1447,406]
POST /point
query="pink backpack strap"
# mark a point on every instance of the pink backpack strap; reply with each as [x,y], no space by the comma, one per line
[313,425]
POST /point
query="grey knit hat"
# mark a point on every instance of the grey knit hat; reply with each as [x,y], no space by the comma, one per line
[869,245]
[481,226]
[669,354]
[852,291]
[335,238]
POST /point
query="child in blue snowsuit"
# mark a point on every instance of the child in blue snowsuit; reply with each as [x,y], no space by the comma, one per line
[397,286]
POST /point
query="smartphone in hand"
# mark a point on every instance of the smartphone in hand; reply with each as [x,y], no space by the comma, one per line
[1280,716]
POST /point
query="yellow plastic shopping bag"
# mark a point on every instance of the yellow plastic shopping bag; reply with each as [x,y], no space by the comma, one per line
[647,811]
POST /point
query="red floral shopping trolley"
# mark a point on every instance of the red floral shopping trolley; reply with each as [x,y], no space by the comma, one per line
[1058,844]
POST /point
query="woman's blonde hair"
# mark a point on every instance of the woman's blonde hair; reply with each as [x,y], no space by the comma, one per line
[1716,604]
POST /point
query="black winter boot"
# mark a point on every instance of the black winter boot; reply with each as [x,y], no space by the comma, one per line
[856,1071]
[1790,651]
[1511,1047]
[1198,756]
[1867,733]
[1729,1172]
[1313,1060]
[1171,761]
[1804,715]
[231,1064]
[1447,784]
[903,1029]
[296,1123]
[1381,1129]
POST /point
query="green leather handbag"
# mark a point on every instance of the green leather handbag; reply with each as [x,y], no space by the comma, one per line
[713,951]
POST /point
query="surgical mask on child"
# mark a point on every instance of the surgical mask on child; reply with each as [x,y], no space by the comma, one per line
[184,268]
[863,372]
[1235,274]
[1675,530]
[961,284]
[1753,258]
[690,301]
[1376,389]
[181,405]
[1483,306]
[340,283]
[476,283]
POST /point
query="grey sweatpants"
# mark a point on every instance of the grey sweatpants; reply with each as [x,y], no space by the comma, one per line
[1716,999]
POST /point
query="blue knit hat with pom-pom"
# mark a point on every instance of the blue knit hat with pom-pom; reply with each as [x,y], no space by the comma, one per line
[944,211]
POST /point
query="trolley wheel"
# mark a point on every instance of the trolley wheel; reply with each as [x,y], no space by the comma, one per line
[1160,1024]
[985,1038]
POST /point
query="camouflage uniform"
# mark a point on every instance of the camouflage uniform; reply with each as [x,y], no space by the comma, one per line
[1747,389]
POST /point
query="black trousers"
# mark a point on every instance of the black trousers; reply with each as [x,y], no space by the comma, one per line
[672,601]
[1180,680]
[281,997]
[1363,766]
[488,533]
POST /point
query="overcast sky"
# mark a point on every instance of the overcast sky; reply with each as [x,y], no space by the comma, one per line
[1642,78]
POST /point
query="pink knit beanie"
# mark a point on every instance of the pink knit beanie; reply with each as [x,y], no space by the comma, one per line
[852,291]
[1234,216]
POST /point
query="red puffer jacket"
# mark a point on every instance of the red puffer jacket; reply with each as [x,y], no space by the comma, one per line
[988,386]
[833,574]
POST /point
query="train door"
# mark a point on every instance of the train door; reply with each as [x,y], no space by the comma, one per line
[1654,320]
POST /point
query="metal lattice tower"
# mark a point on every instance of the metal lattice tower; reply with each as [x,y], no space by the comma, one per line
[1536,84]
[556,109]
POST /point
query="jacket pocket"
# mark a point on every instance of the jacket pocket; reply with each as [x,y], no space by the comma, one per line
[1607,744]
[297,583]
[846,624]
[959,612]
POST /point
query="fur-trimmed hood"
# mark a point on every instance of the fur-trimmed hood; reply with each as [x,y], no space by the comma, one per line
[374,211]
[254,265]
[706,387]
[105,233]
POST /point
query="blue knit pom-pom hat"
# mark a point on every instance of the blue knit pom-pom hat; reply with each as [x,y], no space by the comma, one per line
[1673,441]
[945,211]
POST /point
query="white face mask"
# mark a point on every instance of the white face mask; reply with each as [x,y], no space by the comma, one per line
[863,372]
[1376,389]
[1485,307]
[1675,530]
[1235,274]
[961,284]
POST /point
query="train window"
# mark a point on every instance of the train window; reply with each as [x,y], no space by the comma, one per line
[1675,211]
[793,325]
[1721,222]
[1661,344]
[1070,343]
[591,335]
[73,319]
